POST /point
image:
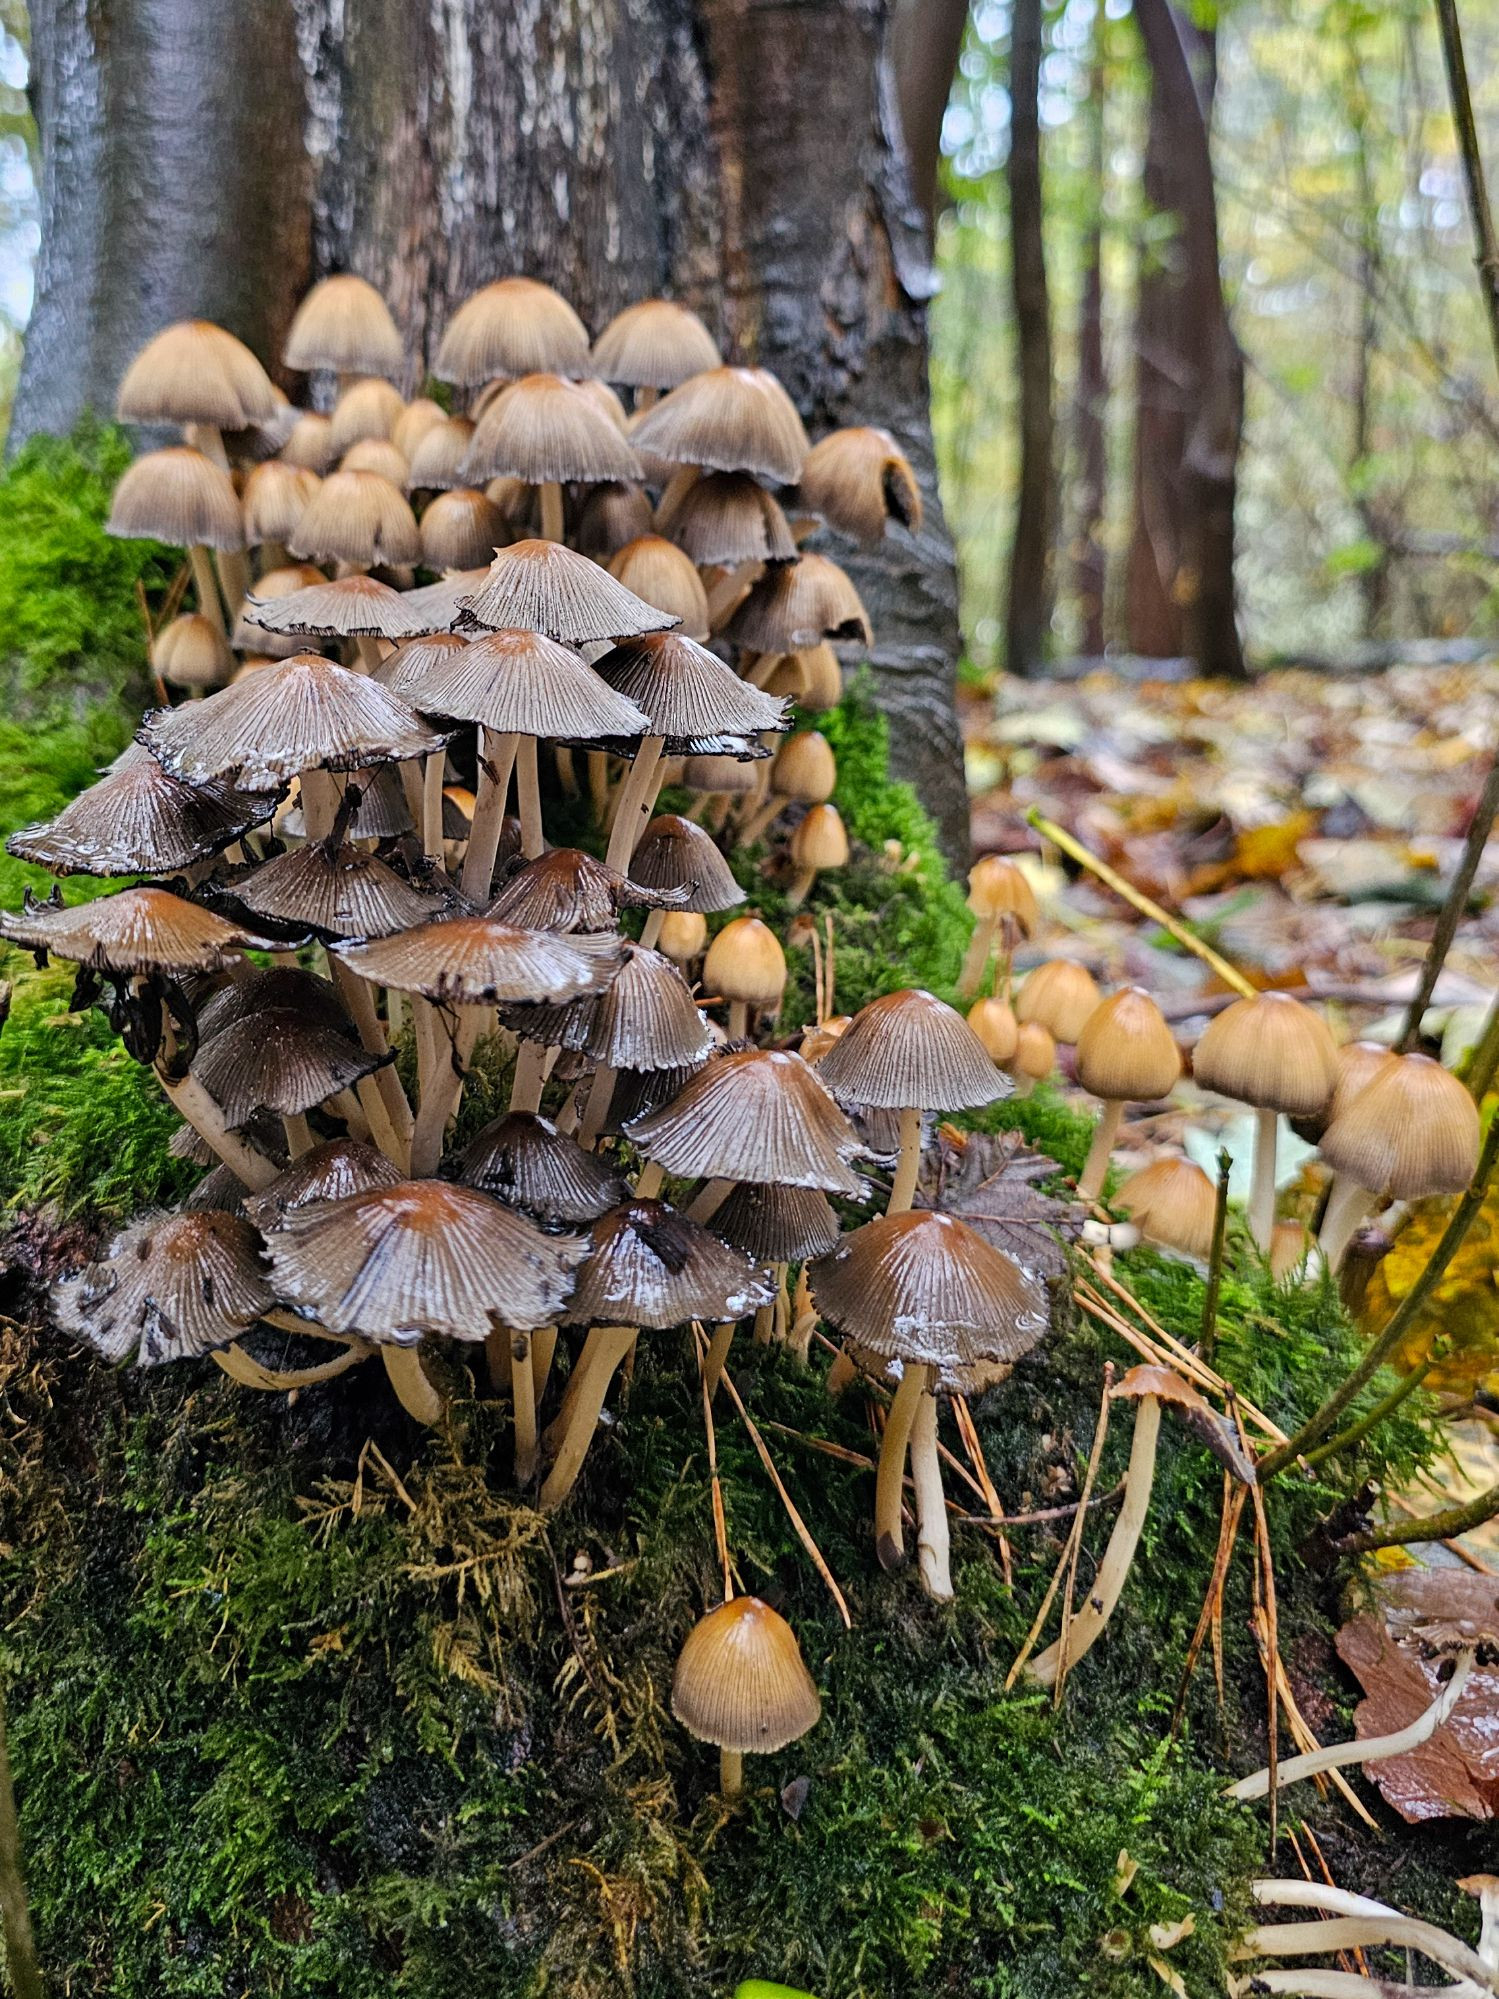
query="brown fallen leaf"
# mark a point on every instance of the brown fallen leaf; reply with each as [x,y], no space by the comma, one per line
[989,1179]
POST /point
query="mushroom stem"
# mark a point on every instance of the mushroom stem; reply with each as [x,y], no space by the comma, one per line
[412,1384]
[637,801]
[298,1133]
[543,1348]
[730,591]
[523,1402]
[716,1358]
[932,1557]
[205,584]
[530,1076]
[552,523]
[739,1020]
[233,566]
[1096,1166]
[433,772]
[1262,1192]
[903,1188]
[497,754]
[648,1181]
[598,786]
[730,1772]
[709,1199]
[368,649]
[889,1478]
[651,931]
[1347,1206]
[678,486]
[194,1106]
[497,1359]
[600,1097]
[976,958]
[358,997]
[801,887]
[603,1350]
[528,798]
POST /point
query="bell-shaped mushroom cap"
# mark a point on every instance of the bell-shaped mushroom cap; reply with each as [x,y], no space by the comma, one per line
[649,1265]
[745,962]
[275,988]
[477,961]
[728,420]
[773,1224]
[462,528]
[614,513]
[351,607]
[1061,995]
[344,324]
[423,1256]
[858,479]
[660,574]
[169,1287]
[376,454]
[754,1114]
[541,586]
[329,1172]
[741,1682]
[177,496]
[909,1051]
[654,344]
[525,684]
[727,517]
[1126,1052]
[140,820]
[365,409]
[570,890]
[361,518]
[798,604]
[515,326]
[436,458]
[406,670]
[1174,1203]
[997,887]
[274,583]
[274,499]
[279,1061]
[645,1019]
[420,416]
[523,1160]
[805,768]
[302,713]
[543,429]
[436,604]
[820,839]
[924,1287]
[675,854]
[1412,1132]
[705,772]
[686,691]
[135,930]
[310,442]
[195,372]
[220,1187]
[1270,1051]
[336,893]
[192,651]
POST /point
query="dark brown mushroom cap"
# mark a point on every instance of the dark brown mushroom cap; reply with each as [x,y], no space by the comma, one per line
[1270,1051]
[728,420]
[645,1019]
[478,961]
[614,514]
[265,1132]
[925,1288]
[286,987]
[140,820]
[654,344]
[675,854]
[177,496]
[544,429]
[279,1061]
[541,586]
[774,1224]
[754,1114]
[423,1256]
[358,517]
[515,326]
[741,1682]
[687,691]
[649,1265]
[169,1287]
[523,1160]
[858,480]
[135,930]
[910,1051]
[1413,1131]
[796,605]
[640,1091]
[351,607]
[729,518]
[343,323]
[336,893]
[329,1172]
[303,713]
[522,683]
[220,1187]
[570,890]
[196,372]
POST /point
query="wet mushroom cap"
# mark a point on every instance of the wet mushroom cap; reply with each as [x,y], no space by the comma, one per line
[646,1018]
[344,324]
[1270,1051]
[799,604]
[169,1287]
[515,326]
[348,893]
[649,1265]
[675,854]
[728,420]
[753,1114]
[278,1060]
[351,607]
[479,960]
[910,1051]
[570,890]
[654,344]
[523,1160]
[729,518]
[775,1224]
[1126,1051]
[1413,1131]
[1061,995]
[135,930]
[741,1682]
[1174,1203]
[859,479]
[542,586]
[274,987]
[329,1172]
[177,496]
[521,683]
[139,819]
[687,691]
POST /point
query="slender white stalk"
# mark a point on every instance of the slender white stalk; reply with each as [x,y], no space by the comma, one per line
[496,760]
[1096,1166]
[603,1350]
[932,1554]
[637,801]
[1262,1193]
[1347,1205]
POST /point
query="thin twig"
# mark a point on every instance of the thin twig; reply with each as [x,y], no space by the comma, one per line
[1485,240]
[803,1532]
[1234,1496]
[1209,1336]
[1444,1526]
[1454,905]
[720,1525]
[968,1431]
[1077,1527]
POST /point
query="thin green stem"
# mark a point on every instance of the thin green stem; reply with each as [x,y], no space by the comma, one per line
[1484,1063]
[1371,1420]
[1480,826]
[1444,1526]
[1209,1336]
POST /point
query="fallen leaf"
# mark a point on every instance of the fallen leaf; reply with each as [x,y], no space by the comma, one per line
[989,1180]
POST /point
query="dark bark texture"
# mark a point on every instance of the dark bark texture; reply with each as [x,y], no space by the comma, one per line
[1028,614]
[1089,498]
[205,156]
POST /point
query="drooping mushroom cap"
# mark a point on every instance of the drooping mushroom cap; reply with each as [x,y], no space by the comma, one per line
[820,839]
[137,930]
[729,518]
[543,429]
[195,372]
[1061,995]
[279,1061]
[310,442]
[1359,1062]
[436,458]
[774,1224]
[753,1114]
[344,324]
[614,513]
[645,1019]
[274,499]
[523,1160]
[302,713]
[169,1287]
[805,768]
[140,820]
[997,887]
[909,1051]
[654,344]
[1126,1052]
[335,892]
[358,517]
[1270,1051]
[688,693]
[745,962]
[570,890]
[660,574]
[462,528]
[541,586]
[1411,1132]
[728,420]
[192,651]
[798,604]
[858,480]
[515,326]
[522,683]
[365,409]
[274,988]
[329,1172]
[741,1682]
[423,1256]
[177,496]
[351,607]
[649,1265]
[478,960]
[676,854]
[1175,1204]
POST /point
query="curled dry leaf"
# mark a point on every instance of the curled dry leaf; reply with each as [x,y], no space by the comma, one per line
[989,1179]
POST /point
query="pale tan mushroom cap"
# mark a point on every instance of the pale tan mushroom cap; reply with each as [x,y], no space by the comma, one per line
[1126,1052]
[1413,1131]
[1270,1051]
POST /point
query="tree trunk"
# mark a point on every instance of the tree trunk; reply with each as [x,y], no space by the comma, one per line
[1028,618]
[739,154]
[926,39]
[1190,379]
[1091,393]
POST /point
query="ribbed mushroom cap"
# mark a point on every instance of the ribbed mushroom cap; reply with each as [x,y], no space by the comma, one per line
[525,684]
[136,930]
[283,582]
[1126,1052]
[774,1224]
[729,518]
[515,326]
[275,988]
[997,887]
[1411,1132]
[614,514]
[686,691]
[541,586]
[436,604]
[858,480]
[1359,1062]
[1271,1051]
[754,1114]
[675,854]
[351,607]
[820,839]
[195,372]
[1175,1204]
[169,1287]
[568,890]
[435,463]
[797,604]
[380,815]
[542,429]
[654,344]
[423,1256]
[220,1187]
[420,416]
[660,574]
[347,893]
[925,1288]
[728,420]
[367,408]
[177,496]
[909,1051]
[361,518]
[607,403]
[139,820]
[1061,995]
[264,1131]
[718,773]
[741,1682]
[376,454]
[649,1265]
[407,670]
[310,442]
[344,324]
[745,962]
[302,713]
[478,960]
[462,528]
[329,1172]
[645,1019]
[523,1159]
[274,499]
[279,1061]
[192,651]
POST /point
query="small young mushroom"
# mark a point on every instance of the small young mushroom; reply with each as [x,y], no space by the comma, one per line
[1411,1132]
[820,841]
[1126,1053]
[344,324]
[682,935]
[1061,995]
[1359,1062]
[995,1025]
[1034,1059]
[804,772]
[652,345]
[746,966]
[361,518]
[657,571]
[513,326]
[676,858]
[741,1683]
[192,653]
[1175,1204]
[1004,903]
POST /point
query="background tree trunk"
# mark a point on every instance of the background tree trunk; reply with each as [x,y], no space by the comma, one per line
[926,39]
[1091,390]
[1028,616]
[205,157]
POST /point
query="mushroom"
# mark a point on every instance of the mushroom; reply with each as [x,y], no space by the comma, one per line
[775,1225]
[741,1683]
[1004,903]
[378,455]
[344,324]
[310,442]
[1126,1053]
[652,345]
[804,772]
[328,1172]
[819,842]
[657,571]
[196,374]
[753,1115]
[181,497]
[281,1061]
[1034,1058]
[435,460]
[727,521]
[354,607]
[337,891]
[515,326]
[139,819]
[421,416]
[994,1024]
[799,604]
[1359,1062]
[724,420]
[682,936]
[1411,1132]
[460,529]
[281,582]
[746,966]
[169,1287]
[366,408]
[1175,1204]
[859,480]
[547,432]
[812,677]
[676,857]
[615,513]
[567,889]
[274,498]
[361,519]
[1061,996]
